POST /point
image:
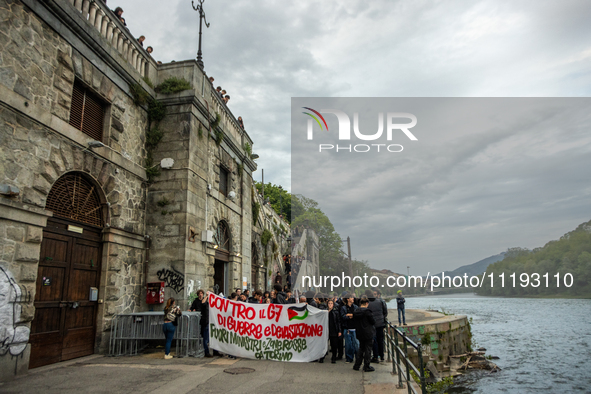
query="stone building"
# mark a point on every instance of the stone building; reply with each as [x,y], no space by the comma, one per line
[86,221]
[270,242]
[306,256]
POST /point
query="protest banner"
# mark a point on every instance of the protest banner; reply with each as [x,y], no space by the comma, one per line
[289,332]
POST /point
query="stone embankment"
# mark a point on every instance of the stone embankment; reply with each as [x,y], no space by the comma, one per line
[442,336]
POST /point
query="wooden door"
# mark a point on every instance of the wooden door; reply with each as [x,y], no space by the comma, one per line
[64,326]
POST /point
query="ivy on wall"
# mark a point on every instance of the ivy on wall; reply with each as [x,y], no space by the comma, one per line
[156,112]
[265,237]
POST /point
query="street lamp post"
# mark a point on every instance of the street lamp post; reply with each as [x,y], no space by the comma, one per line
[350,261]
[201,18]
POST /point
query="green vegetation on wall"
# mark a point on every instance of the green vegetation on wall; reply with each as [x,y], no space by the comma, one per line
[255,212]
[173,85]
[266,237]
[156,112]
[278,198]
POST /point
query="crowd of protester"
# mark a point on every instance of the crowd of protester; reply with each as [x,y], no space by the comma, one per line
[355,324]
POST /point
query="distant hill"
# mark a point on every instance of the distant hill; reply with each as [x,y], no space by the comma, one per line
[565,262]
[477,268]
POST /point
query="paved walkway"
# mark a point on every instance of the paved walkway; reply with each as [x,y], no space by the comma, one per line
[150,373]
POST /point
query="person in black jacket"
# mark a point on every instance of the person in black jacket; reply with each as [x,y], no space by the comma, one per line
[200,305]
[256,298]
[310,298]
[400,306]
[280,297]
[339,302]
[334,331]
[364,322]
[380,311]
[380,330]
[289,298]
[351,342]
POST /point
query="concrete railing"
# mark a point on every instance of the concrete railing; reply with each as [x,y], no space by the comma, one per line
[110,27]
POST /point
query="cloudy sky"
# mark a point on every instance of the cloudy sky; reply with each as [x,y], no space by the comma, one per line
[266,52]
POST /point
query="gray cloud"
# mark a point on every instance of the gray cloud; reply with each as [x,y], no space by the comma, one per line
[486,174]
[265,52]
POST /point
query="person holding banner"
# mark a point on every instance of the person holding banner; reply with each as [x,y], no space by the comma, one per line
[257,297]
[171,312]
[351,342]
[200,305]
[289,298]
[280,297]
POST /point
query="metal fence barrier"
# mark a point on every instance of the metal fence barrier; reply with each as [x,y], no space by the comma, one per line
[401,363]
[129,333]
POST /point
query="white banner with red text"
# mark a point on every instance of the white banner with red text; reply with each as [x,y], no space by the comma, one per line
[289,332]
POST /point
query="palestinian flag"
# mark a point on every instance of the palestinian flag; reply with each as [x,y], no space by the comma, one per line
[297,312]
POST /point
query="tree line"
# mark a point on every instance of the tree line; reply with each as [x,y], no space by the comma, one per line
[571,254]
[305,212]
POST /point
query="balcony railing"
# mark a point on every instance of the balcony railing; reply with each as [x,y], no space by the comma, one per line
[110,27]
[227,120]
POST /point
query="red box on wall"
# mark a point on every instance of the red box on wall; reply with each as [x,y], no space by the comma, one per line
[155,293]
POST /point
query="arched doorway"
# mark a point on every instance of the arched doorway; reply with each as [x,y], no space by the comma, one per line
[221,239]
[254,266]
[65,320]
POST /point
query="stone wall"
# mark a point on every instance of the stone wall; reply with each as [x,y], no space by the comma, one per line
[21,231]
[30,59]
[152,231]
[185,200]
[441,337]
[38,68]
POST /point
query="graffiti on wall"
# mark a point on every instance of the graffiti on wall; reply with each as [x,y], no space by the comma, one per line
[13,337]
[173,279]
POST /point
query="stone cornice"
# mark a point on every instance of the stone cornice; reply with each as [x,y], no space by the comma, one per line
[24,213]
[122,237]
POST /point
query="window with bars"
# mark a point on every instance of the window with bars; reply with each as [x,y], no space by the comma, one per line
[223,181]
[87,112]
[222,237]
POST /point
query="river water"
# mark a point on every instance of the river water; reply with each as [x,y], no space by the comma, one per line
[543,344]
